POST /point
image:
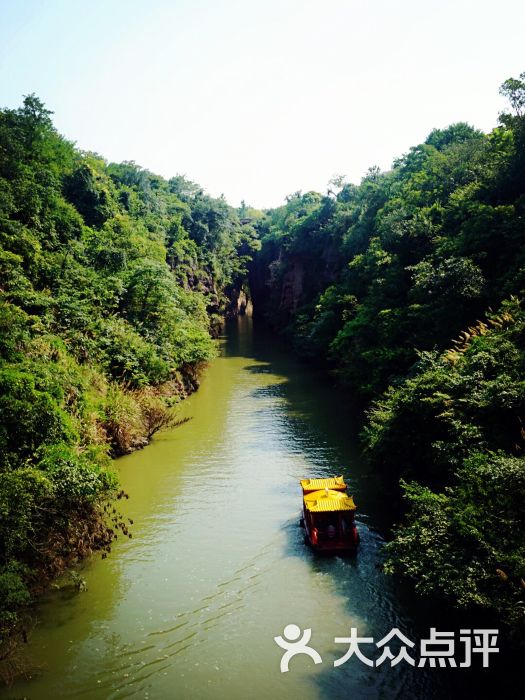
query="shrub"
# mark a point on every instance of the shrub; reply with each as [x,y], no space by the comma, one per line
[468,543]
[29,417]
[22,492]
[155,413]
[129,357]
[74,478]
[122,419]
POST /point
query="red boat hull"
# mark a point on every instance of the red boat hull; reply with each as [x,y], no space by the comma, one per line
[341,539]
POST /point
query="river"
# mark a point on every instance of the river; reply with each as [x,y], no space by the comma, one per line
[217,566]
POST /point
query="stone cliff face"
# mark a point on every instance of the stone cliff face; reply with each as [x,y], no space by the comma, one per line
[240,303]
[280,281]
[292,287]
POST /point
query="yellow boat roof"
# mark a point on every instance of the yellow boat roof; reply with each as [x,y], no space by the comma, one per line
[328,500]
[336,482]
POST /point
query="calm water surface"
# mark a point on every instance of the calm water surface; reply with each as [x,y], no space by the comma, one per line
[217,565]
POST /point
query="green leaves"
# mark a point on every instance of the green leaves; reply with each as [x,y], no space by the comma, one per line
[108,278]
[74,479]
[456,427]
[29,418]
[514,90]
[128,357]
[468,544]
[92,192]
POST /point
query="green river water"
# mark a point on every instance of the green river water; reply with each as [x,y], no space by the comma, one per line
[217,566]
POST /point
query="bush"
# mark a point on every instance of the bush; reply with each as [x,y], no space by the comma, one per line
[22,493]
[128,357]
[14,331]
[29,418]
[456,425]
[468,543]
[74,478]
[155,413]
[13,595]
[122,419]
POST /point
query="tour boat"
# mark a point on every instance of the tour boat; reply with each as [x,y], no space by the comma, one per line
[328,516]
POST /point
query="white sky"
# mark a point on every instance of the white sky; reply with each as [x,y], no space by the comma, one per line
[259,98]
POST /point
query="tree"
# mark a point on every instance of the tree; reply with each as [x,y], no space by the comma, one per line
[514,90]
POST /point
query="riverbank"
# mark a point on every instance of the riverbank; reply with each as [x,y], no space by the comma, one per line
[126,419]
[112,283]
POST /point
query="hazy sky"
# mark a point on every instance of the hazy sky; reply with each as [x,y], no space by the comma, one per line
[259,98]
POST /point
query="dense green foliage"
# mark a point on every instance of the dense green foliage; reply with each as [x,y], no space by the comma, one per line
[111,282]
[374,281]
[458,420]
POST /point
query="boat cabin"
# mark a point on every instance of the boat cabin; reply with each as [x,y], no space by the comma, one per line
[328,516]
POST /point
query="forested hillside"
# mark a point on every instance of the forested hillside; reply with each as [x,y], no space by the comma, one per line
[410,284]
[112,283]
[408,287]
